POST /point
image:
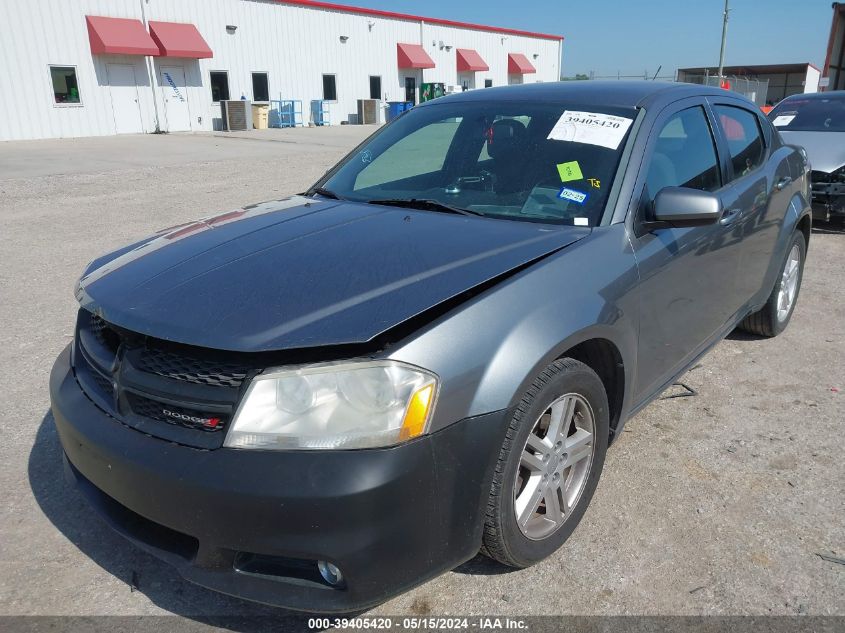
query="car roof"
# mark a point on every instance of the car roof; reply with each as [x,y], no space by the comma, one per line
[836,94]
[615,93]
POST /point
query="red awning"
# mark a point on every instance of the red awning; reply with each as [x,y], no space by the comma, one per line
[119,36]
[413,56]
[470,60]
[518,64]
[179,40]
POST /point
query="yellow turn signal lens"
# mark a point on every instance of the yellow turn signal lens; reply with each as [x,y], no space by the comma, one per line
[417,413]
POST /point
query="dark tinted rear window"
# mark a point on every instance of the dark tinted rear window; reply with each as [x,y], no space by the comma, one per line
[745,141]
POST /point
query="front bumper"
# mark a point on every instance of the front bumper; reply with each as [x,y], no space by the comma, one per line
[828,197]
[826,210]
[253,523]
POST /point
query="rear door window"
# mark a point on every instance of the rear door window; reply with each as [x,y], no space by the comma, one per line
[745,140]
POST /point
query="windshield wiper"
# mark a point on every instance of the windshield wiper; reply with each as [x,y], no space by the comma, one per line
[424,204]
[326,193]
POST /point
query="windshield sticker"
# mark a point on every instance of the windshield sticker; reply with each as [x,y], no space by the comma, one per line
[571,194]
[783,119]
[581,221]
[366,156]
[570,171]
[591,128]
[595,183]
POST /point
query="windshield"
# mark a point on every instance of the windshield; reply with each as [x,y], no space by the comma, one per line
[535,162]
[810,115]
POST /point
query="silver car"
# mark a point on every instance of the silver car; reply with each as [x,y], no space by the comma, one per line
[816,122]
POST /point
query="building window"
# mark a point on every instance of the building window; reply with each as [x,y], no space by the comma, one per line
[65,88]
[411,89]
[329,88]
[488,83]
[375,87]
[260,87]
[219,85]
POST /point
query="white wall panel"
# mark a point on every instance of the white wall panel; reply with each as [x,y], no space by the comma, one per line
[294,45]
[811,81]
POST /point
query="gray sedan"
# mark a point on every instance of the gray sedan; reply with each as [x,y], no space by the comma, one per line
[322,401]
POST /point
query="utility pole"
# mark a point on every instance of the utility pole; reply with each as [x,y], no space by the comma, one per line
[724,37]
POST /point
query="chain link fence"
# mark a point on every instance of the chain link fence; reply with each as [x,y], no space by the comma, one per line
[755,89]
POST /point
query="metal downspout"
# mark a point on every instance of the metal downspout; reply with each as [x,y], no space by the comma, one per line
[422,70]
[150,74]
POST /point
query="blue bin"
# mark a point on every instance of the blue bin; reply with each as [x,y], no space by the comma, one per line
[408,105]
[394,109]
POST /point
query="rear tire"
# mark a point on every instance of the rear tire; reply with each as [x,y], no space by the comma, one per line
[773,317]
[543,483]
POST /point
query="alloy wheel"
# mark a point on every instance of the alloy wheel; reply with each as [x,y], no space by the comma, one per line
[788,283]
[554,466]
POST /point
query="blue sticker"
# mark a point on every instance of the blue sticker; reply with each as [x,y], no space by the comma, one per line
[366,157]
[571,194]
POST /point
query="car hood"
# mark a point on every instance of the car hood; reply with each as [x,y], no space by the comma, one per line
[305,272]
[826,150]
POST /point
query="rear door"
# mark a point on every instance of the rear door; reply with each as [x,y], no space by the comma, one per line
[759,189]
[687,275]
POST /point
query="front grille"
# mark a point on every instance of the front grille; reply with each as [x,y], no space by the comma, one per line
[176,392]
[828,178]
[103,383]
[820,177]
[104,334]
[155,410]
[188,369]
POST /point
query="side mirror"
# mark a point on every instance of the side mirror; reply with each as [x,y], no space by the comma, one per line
[680,207]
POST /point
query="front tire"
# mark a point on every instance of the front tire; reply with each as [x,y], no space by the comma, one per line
[549,465]
[773,317]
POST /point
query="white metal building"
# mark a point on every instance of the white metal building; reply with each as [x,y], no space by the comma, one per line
[100,67]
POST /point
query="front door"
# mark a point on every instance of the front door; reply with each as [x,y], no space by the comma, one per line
[176,112]
[124,99]
[466,81]
[687,275]
[411,89]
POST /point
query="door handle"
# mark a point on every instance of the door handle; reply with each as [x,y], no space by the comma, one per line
[729,216]
[783,183]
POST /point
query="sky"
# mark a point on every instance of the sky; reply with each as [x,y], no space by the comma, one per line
[634,36]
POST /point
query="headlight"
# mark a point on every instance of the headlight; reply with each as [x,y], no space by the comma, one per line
[356,404]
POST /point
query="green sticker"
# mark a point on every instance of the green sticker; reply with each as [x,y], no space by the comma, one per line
[570,171]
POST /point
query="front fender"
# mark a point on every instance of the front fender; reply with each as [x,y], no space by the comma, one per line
[489,350]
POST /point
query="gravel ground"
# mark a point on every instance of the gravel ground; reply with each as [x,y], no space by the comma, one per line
[714,504]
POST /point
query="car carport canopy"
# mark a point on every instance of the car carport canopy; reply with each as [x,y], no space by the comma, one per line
[176,39]
[470,61]
[518,64]
[119,36]
[413,56]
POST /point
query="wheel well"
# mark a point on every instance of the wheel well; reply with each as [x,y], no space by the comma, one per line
[804,226]
[604,358]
